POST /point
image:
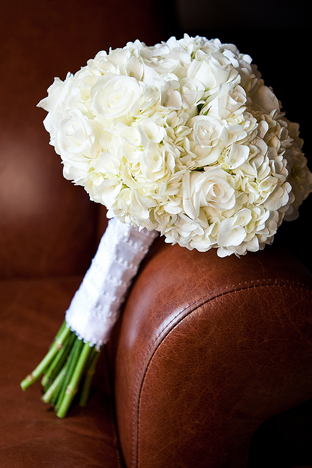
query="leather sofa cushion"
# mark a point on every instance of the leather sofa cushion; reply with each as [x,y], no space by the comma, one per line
[208,349]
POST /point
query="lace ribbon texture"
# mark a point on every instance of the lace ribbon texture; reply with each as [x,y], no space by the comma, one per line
[95,306]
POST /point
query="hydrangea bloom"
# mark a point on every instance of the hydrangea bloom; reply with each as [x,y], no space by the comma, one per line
[184,138]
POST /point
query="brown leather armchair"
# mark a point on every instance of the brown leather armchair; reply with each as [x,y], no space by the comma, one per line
[206,349]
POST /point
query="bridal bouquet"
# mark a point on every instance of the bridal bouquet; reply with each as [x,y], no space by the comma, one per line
[182,139]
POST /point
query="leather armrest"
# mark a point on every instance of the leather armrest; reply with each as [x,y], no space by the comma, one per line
[208,349]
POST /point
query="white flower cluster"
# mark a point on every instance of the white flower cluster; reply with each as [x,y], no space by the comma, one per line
[182,137]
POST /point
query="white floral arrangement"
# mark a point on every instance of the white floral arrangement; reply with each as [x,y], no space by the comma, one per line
[182,138]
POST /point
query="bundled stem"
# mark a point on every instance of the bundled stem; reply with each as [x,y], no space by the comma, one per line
[93,359]
[68,362]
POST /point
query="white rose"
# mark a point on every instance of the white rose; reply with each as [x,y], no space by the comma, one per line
[227,102]
[209,71]
[115,96]
[153,162]
[210,137]
[77,137]
[192,92]
[209,188]
[57,93]
[264,99]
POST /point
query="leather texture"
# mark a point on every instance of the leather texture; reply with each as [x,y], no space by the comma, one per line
[208,349]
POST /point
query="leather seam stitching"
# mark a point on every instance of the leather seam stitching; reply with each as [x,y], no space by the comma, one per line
[151,351]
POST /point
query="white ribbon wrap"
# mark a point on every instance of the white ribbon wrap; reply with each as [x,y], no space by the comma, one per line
[95,306]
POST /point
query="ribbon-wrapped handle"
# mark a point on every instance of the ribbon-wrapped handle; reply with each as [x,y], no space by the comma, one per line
[95,306]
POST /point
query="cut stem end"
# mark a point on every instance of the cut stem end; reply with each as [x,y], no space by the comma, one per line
[68,362]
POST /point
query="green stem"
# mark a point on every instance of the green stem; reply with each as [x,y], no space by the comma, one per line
[71,390]
[60,330]
[42,366]
[89,376]
[50,392]
[70,368]
[58,362]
